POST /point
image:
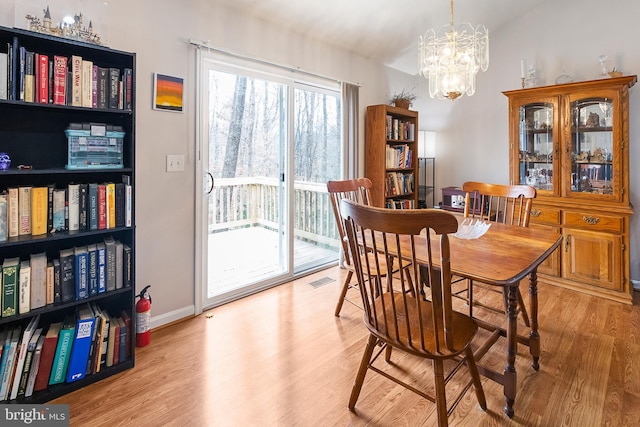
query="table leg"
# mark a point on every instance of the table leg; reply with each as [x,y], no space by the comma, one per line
[534,337]
[510,376]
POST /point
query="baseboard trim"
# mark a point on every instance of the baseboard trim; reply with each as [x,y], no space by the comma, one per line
[172,316]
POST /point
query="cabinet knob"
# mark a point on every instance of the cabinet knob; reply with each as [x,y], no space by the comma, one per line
[535,213]
[593,220]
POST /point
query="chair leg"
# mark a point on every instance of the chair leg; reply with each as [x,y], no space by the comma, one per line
[470,297]
[473,369]
[441,397]
[362,371]
[343,293]
[523,310]
[387,353]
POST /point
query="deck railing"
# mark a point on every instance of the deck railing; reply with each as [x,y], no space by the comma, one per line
[242,202]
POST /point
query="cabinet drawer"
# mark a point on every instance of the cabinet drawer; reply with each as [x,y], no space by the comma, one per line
[593,221]
[545,215]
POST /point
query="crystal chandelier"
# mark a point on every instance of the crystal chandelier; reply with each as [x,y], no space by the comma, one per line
[451,58]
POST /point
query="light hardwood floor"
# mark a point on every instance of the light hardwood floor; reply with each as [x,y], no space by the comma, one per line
[281,358]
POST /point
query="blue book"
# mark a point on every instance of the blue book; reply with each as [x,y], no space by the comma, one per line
[81,344]
[93,206]
[122,356]
[63,351]
[81,272]
[102,267]
[93,269]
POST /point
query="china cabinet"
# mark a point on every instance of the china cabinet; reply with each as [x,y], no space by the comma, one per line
[571,142]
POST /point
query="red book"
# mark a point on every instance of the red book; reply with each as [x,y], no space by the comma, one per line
[116,342]
[127,322]
[60,80]
[46,357]
[43,79]
[102,207]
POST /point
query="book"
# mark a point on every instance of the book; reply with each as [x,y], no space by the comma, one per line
[119,204]
[127,265]
[63,351]
[28,361]
[106,327]
[73,195]
[6,344]
[114,331]
[60,80]
[10,280]
[39,210]
[92,251]
[87,83]
[22,58]
[35,366]
[119,265]
[3,75]
[127,322]
[81,344]
[50,283]
[13,78]
[93,207]
[93,365]
[24,210]
[128,210]
[57,281]
[81,272]
[29,77]
[114,86]
[94,86]
[59,201]
[9,369]
[4,218]
[103,87]
[102,267]
[122,349]
[42,82]
[50,189]
[83,200]
[67,276]
[110,266]
[38,263]
[46,358]
[21,354]
[24,288]
[13,215]
[76,81]
[111,205]
[102,207]
[128,88]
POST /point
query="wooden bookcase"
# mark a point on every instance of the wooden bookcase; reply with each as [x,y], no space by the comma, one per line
[391,156]
[33,134]
[571,142]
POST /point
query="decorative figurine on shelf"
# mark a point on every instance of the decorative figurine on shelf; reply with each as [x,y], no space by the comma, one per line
[531,80]
[597,156]
[584,184]
[604,74]
[70,27]
[593,120]
[564,78]
[5,161]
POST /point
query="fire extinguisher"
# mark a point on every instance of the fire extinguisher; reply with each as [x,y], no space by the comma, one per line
[143,318]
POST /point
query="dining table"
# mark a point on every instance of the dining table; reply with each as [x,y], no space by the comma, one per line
[504,256]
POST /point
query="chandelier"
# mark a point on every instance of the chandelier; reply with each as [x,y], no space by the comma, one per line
[451,58]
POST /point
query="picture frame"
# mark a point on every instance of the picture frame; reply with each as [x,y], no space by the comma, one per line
[168,93]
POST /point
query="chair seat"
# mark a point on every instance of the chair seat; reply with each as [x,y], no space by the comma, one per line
[464,326]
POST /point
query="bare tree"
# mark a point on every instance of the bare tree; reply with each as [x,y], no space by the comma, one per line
[235,129]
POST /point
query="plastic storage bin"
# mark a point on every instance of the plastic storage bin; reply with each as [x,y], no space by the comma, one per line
[94,146]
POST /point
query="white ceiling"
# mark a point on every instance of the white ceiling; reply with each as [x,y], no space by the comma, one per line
[384,30]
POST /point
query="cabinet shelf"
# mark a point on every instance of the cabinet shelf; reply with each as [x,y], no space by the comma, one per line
[58,171]
[58,236]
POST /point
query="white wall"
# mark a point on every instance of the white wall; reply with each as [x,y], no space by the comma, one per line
[565,35]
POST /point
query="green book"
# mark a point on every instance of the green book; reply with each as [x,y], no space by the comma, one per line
[63,351]
[10,277]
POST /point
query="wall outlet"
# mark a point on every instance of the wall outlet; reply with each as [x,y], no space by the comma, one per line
[175,163]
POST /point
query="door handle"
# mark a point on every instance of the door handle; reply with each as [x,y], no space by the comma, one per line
[210,183]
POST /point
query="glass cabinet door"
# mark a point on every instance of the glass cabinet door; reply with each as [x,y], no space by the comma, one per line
[594,148]
[537,139]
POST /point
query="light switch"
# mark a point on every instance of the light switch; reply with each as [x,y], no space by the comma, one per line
[175,163]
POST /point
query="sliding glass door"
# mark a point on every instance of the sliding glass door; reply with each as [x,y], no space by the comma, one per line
[269,144]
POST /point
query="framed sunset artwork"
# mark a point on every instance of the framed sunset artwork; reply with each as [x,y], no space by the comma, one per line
[168,93]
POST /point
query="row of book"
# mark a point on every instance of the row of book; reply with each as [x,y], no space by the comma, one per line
[397,129]
[77,273]
[400,204]
[36,211]
[82,344]
[57,79]
[398,183]
[399,156]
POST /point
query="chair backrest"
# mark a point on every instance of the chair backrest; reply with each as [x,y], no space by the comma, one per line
[358,190]
[509,204]
[391,310]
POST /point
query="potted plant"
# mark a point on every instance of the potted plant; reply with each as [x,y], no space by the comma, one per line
[615,72]
[403,99]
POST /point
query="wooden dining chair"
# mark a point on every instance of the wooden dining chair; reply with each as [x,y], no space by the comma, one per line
[358,190]
[404,320]
[507,204]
